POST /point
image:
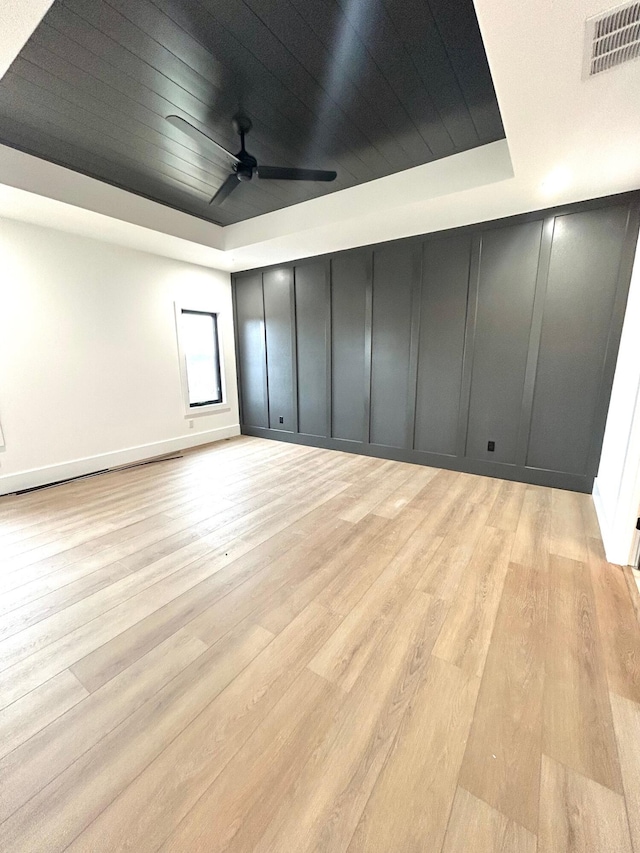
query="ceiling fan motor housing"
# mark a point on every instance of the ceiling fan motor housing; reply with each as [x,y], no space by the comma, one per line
[244,169]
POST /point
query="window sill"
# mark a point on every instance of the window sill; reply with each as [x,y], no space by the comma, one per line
[214,409]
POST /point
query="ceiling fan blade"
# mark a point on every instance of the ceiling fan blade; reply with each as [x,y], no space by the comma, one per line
[226,189]
[197,135]
[284,173]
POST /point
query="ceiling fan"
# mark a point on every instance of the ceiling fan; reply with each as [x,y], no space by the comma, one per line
[244,165]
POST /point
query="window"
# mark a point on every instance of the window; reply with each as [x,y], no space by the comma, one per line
[199,336]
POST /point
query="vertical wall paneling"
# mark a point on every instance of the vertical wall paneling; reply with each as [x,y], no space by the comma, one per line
[368,347]
[443,308]
[469,344]
[504,309]
[293,325]
[280,355]
[349,275]
[311,335]
[427,349]
[583,274]
[251,351]
[328,346]
[393,271]
[534,338]
[416,300]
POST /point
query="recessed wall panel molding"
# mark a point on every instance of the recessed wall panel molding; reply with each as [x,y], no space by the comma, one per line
[489,349]
[445,283]
[506,290]
[350,273]
[311,281]
[251,350]
[393,274]
[583,278]
[278,319]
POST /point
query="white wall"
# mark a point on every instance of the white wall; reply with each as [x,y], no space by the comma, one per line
[89,369]
[616,491]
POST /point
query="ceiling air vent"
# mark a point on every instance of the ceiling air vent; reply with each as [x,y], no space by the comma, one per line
[612,38]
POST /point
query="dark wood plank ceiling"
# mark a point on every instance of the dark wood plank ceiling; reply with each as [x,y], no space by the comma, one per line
[365,87]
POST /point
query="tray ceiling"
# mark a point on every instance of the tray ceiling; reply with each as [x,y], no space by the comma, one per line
[366,87]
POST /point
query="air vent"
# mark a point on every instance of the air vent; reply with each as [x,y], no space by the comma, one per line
[612,38]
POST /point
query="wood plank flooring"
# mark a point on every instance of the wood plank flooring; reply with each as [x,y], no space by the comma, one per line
[268,648]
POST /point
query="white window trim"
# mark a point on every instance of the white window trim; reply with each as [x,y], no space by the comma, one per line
[214,408]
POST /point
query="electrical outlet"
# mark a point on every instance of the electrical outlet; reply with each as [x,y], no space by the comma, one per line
[491,446]
[281,420]
[190,424]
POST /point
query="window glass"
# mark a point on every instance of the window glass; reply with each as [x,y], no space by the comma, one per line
[200,345]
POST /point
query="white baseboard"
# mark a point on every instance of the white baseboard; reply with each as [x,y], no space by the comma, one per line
[10,483]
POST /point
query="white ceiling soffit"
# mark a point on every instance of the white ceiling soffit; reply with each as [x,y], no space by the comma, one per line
[568,139]
[36,191]
[46,194]
[41,210]
[19,20]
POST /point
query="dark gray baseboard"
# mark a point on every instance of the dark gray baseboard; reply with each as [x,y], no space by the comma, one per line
[522,474]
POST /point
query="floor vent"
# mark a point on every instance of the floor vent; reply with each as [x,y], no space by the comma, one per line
[612,38]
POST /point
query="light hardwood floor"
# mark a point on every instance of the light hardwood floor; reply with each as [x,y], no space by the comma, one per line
[270,648]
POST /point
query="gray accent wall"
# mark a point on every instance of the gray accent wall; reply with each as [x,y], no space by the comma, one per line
[443,310]
[251,349]
[391,345]
[312,322]
[434,349]
[350,279]
[507,271]
[578,308]
[278,324]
